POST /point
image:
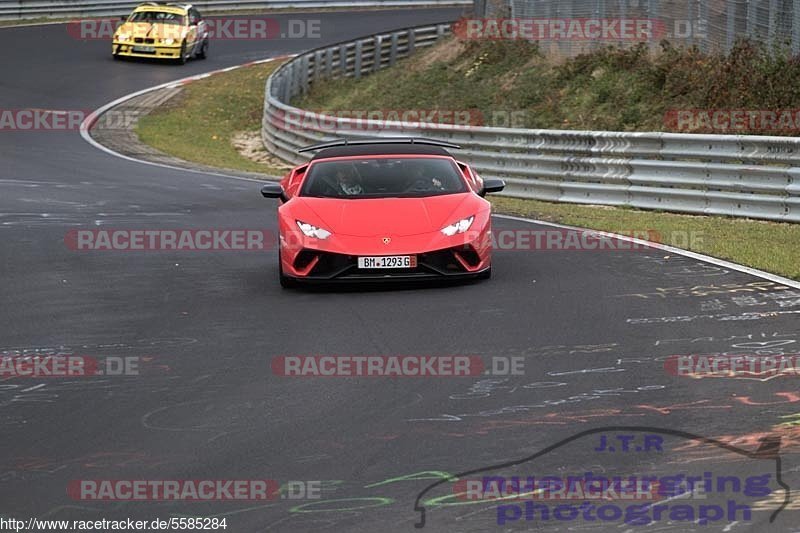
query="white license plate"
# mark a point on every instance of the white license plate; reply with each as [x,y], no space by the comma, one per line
[144,48]
[388,261]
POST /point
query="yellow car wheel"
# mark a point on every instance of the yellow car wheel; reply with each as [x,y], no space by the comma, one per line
[203,53]
[182,58]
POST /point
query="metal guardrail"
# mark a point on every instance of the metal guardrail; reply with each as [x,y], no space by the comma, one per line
[28,9]
[735,175]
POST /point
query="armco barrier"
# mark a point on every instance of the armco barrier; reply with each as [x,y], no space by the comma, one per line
[29,9]
[743,176]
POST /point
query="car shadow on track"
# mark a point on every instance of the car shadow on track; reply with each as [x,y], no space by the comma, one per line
[379,286]
[268,281]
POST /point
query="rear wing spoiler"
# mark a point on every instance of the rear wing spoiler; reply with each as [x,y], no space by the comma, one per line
[379,140]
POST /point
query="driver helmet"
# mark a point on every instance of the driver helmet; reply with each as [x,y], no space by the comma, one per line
[348,183]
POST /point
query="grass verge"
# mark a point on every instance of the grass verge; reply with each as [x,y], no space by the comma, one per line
[199,124]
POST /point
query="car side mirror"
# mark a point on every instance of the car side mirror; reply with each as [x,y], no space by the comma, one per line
[274,190]
[491,185]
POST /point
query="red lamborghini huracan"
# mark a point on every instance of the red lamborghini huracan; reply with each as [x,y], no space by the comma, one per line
[383,209]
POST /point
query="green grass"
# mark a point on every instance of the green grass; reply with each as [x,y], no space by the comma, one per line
[773,247]
[199,123]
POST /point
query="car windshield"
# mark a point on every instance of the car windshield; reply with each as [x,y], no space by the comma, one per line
[406,177]
[160,17]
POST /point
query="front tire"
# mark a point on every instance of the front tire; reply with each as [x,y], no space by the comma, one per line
[182,59]
[203,52]
[286,281]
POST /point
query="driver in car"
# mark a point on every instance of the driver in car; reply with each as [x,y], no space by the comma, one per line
[348,183]
[422,182]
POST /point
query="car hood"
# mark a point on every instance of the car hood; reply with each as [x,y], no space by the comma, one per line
[156,31]
[386,216]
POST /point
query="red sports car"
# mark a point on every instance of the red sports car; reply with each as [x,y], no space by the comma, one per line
[383,209]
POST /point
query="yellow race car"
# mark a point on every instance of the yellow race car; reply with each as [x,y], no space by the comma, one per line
[162,31]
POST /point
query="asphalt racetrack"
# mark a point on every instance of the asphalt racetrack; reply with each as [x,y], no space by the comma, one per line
[594,329]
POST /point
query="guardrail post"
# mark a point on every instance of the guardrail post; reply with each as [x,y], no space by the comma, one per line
[565,46]
[343,59]
[294,85]
[750,26]
[328,62]
[479,8]
[596,14]
[393,47]
[304,74]
[702,18]
[357,60]
[376,62]
[773,23]
[286,86]
[317,65]
[795,27]
[411,36]
[654,14]
[730,27]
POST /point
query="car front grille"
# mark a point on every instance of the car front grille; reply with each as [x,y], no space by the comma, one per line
[332,265]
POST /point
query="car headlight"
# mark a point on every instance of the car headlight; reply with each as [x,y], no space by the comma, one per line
[169,40]
[459,227]
[122,37]
[313,231]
